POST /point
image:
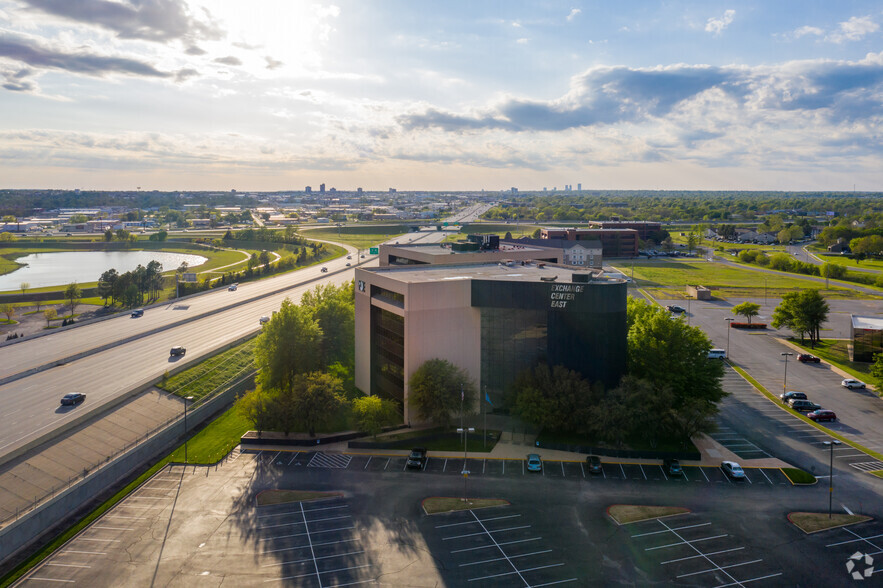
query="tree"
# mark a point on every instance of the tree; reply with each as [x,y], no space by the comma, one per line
[435,391]
[780,261]
[158,236]
[256,407]
[108,235]
[747,309]
[24,287]
[877,371]
[372,413]
[106,284]
[833,271]
[9,310]
[870,245]
[803,312]
[333,307]
[287,346]
[6,236]
[784,236]
[554,398]
[49,314]
[316,399]
[72,294]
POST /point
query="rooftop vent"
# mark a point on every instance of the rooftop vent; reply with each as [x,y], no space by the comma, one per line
[549,278]
[581,278]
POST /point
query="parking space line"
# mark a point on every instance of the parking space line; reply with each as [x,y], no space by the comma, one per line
[299,561]
[113,528]
[662,469]
[445,466]
[51,580]
[500,518]
[483,465]
[367,462]
[684,473]
[387,463]
[475,563]
[500,548]
[316,573]
[84,552]
[61,565]
[744,563]
[306,533]
[582,469]
[703,555]
[310,541]
[485,532]
[690,543]
[116,516]
[473,522]
[314,544]
[746,477]
[294,457]
[303,523]
[741,582]
[555,582]
[683,542]
[563,475]
[623,472]
[99,540]
[642,471]
[704,474]
[765,476]
[518,541]
[335,507]
[666,530]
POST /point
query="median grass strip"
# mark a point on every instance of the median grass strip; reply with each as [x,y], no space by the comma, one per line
[218,370]
[624,514]
[271,497]
[442,504]
[799,477]
[878,473]
[813,522]
[775,399]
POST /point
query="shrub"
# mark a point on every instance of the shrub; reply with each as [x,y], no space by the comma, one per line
[735,325]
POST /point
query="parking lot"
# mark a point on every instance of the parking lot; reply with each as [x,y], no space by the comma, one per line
[569,471]
[692,550]
[865,539]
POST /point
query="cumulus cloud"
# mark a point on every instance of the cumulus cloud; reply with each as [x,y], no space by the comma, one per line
[854,29]
[717,25]
[32,53]
[194,50]
[273,63]
[523,41]
[16,81]
[228,60]
[807,30]
[574,12]
[150,20]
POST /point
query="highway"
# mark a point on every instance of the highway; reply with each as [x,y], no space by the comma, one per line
[137,349]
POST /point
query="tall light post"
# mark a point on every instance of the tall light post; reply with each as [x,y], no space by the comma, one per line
[729,324]
[465,432]
[831,444]
[187,400]
[787,354]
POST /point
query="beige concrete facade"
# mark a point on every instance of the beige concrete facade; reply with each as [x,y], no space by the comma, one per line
[441,253]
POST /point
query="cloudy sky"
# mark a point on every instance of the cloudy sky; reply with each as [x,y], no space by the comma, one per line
[278,94]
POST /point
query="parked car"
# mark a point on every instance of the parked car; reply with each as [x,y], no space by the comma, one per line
[264,320]
[672,467]
[801,405]
[137,312]
[417,458]
[807,358]
[232,287]
[792,394]
[717,354]
[733,470]
[851,383]
[822,415]
[676,308]
[534,463]
[177,350]
[71,399]
[593,464]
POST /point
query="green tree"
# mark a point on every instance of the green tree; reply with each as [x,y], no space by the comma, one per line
[877,371]
[747,309]
[554,398]
[803,312]
[784,236]
[108,235]
[692,241]
[287,346]
[870,245]
[333,307]
[316,400]
[833,271]
[256,406]
[780,261]
[6,236]
[435,391]
[9,310]
[372,413]
[73,294]
[24,287]
[77,219]
[49,314]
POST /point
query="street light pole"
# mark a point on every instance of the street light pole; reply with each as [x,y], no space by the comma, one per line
[831,444]
[787,354]
[465,472]
[729,324]
[186,400]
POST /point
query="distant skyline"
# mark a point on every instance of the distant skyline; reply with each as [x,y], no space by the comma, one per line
[280,94]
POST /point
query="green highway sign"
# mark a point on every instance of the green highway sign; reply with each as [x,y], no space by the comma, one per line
[374,250]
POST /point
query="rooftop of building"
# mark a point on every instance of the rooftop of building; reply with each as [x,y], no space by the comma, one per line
[867,322]
[509,271]
[445,249]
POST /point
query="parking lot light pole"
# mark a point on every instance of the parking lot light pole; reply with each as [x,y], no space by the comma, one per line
[465,431]
[831,444]
[187,400]
[729,324]
[787,354]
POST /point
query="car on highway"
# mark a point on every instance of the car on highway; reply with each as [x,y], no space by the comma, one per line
[733,470]
[137,312]
[324,270]
[177,351]
[822,415]
[232,287]
[672,467]
[801,405]
[851,383]
[593,464]
[73,398]
[534,463]
[363,256]
[349,256]
[676,308]
[792,394]
[264,320]
[807,358]
[348,264]
[417,458]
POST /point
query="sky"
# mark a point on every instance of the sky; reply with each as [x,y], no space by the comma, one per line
[280,94]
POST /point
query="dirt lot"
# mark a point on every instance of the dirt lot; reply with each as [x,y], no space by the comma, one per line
[30,324]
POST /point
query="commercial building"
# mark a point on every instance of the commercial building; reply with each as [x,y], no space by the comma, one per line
[866,333]
[645,229]
[469,252]
[493,320]
[580,253]
[614,242]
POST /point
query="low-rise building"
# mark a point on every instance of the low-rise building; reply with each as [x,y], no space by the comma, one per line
[866,333]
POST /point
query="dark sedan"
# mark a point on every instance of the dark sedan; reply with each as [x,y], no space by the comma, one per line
[807,358]
[71,399]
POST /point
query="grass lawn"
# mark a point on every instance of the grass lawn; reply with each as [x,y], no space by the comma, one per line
[872,264]
[215,441]
[633,513]
[368,236]
[205,377]
[878,473]
[440,504]
[668,278]
[834,352]
[798,476]
[811,522]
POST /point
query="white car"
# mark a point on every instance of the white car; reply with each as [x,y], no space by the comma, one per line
[733,470]
[850,383]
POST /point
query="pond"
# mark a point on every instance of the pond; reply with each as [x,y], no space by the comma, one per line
[63,267]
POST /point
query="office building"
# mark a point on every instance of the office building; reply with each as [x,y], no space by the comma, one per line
[866,333]
[614,242]
[478,249]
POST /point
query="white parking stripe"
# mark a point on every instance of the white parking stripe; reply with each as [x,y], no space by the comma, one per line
[690,543]
[742,582]
[61,565]
[50,580]
[367,462]
[744,563]
[666,530]
[703,555]
[299,561]
[486,531]
[683,542]
[294,457]
[642,471]
[83,552]
[113,528]
[500,548]
[475,563]
[703,473]
[556,582]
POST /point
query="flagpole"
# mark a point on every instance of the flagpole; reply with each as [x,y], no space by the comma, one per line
[484,410]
